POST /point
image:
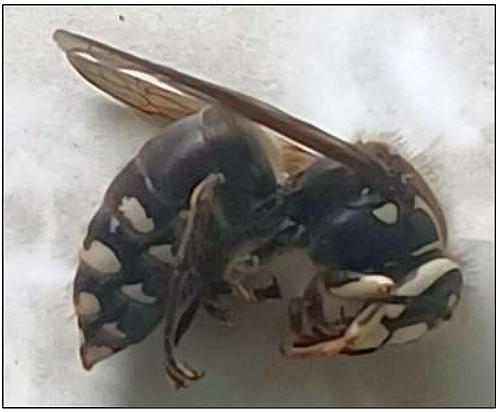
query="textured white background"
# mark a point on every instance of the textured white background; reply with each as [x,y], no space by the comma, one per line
[426,72]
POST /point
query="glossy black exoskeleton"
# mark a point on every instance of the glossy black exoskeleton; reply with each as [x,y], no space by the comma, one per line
[230,181]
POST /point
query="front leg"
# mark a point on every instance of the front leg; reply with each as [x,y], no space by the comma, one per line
[318,334]
[427,298]
[187,284]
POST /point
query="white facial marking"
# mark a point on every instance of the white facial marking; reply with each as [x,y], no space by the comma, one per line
[365,191]
[101,258]
[409,333]
[112,329]
[163,253]
[135,213]
[113,225]
[452,301]
[373,339]
[425,276]
[135,292]
[367,320]
[369,285]
[387,213]
[87,305]
[393,311]
[94,354]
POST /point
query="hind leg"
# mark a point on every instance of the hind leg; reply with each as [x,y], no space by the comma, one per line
[316,334]
[186,288]
[179,315]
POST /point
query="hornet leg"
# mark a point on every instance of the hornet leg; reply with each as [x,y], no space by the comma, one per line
[318,336]
[185,289]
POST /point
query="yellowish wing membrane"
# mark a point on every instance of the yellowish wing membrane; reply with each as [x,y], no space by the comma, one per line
[132,84]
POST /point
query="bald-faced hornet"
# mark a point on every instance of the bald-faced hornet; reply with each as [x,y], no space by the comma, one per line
[229,183]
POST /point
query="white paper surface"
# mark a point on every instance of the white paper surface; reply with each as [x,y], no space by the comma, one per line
[426,72]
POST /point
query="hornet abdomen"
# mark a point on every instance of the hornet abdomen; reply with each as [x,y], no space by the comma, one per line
[128,254]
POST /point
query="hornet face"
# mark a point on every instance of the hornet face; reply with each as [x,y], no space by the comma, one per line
[379,246]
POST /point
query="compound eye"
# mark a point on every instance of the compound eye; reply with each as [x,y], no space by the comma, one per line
[426,234]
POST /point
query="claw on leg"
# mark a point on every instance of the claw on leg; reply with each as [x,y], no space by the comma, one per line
[179,373]
[181,376]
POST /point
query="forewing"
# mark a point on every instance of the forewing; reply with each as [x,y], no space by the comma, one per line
[155,86]
[131,82]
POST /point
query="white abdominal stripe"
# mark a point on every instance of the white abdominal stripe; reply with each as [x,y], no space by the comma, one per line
[101,258]
[134,213]
[87,304]
[135,293]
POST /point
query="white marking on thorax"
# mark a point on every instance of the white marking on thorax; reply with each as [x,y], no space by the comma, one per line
[426,275]
[387,213]
[135,213]
[163,253]
[408,333]
[101,258]
[88,304]
[112,329]
[135,292]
